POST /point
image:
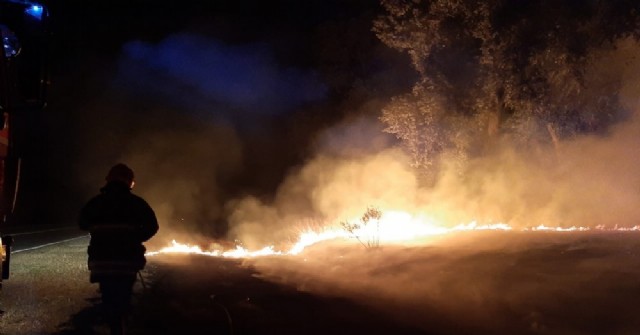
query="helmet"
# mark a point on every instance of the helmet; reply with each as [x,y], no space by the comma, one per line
[120,172]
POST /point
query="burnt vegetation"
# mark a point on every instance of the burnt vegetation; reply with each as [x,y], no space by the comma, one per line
[367,230]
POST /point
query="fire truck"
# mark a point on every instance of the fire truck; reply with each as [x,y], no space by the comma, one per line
[23,83]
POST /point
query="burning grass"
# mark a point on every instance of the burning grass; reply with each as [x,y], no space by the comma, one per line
[483,282]
[472,278]
[372,229]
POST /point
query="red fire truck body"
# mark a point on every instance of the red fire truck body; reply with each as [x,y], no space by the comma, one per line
[23,83]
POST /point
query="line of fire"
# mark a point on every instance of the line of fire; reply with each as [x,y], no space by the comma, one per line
[375,200]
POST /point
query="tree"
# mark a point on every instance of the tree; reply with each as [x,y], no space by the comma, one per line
[493,69]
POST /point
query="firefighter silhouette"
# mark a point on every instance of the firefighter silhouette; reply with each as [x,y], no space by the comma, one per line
[119,222]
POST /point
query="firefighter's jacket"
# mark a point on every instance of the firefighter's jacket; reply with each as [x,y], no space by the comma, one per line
[118,222]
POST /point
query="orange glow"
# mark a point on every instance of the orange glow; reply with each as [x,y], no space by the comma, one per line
[238,252]
[560,229]
[391,227]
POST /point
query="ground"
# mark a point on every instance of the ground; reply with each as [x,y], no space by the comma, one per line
[497,283]
[49,293]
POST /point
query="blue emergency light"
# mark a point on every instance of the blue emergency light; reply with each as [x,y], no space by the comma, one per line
[35,11]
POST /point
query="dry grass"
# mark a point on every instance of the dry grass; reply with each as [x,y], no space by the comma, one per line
[47,286]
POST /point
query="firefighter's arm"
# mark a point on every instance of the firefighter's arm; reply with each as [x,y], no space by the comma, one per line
[149,225]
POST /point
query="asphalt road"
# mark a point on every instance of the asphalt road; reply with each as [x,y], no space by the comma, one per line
[33,237]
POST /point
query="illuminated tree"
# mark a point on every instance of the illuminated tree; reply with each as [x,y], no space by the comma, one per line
[494,69]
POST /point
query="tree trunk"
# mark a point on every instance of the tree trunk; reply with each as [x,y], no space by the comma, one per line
[554,137]
[495,120]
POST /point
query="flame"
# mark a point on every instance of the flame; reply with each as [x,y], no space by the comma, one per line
[310,238]
[238,252]
[559,229]
[392,227]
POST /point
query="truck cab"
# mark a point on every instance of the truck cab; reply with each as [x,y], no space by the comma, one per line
[23,85]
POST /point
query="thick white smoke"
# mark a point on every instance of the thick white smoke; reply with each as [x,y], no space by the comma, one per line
[480,282]
[587,181]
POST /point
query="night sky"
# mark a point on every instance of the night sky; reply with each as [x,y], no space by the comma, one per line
[156,84]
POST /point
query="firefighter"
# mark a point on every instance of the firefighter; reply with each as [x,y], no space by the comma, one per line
[119,222]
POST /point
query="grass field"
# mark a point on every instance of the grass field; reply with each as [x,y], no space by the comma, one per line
[469,283]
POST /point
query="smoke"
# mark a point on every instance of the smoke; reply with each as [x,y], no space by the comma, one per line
[244,77]
[180,164]
[333,186]
[586,181]
[589,181]
[181,112]
[176,112]
[493,282]
[480,282]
